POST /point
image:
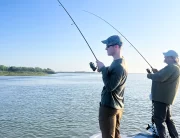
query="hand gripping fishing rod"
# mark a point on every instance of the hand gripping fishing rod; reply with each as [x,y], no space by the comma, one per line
[91,63]
[121,35]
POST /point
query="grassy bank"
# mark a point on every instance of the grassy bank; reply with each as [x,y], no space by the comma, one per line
[6,73]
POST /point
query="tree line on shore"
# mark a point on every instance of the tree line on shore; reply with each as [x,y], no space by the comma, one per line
[25,69]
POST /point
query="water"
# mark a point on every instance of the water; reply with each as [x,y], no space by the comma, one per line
[66,105]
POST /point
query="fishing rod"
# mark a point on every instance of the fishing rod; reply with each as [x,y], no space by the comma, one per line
[121,35]
[91,63]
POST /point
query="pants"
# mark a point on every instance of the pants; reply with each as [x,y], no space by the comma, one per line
[162,116]
[109,122]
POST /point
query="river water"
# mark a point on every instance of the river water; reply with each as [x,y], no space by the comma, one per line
[65,105]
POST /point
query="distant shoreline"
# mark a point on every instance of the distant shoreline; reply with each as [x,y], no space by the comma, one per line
[88,72]
[24,71]
[2,73]
[6,73]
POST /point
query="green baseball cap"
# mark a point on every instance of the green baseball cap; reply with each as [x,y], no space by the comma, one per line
[112,40]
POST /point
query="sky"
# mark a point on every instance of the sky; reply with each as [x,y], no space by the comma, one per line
[39,33]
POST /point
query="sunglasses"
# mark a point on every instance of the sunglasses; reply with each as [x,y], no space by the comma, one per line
[107,46]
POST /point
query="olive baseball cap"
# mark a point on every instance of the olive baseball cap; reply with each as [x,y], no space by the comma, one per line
[112,40]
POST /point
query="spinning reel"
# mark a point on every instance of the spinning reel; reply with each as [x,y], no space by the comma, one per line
[92,66]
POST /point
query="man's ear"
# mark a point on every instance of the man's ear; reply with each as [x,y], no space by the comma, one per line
[116,46]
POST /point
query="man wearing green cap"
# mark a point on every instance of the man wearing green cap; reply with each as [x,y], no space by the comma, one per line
[164,90]
[112,100]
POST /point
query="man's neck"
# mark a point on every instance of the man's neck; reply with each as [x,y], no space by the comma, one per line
[118,56]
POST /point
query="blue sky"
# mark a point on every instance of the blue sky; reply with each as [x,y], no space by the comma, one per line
[38,33]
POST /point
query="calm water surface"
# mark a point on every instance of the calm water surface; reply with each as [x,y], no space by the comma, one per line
[66,105]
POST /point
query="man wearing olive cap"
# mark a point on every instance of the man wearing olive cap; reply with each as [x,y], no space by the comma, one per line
[112,96]
[164,90]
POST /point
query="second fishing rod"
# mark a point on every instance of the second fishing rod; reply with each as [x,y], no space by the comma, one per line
[123,37]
